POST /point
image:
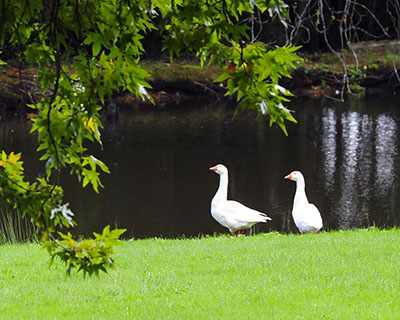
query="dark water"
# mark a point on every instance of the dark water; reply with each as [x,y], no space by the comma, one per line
[161,184]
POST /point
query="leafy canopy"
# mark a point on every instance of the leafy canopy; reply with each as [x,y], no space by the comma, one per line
[84,51]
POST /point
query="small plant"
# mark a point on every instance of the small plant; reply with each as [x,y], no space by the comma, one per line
[91,255]
[15,229]
[356,88]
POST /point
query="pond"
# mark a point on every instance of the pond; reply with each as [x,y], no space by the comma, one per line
[161,184]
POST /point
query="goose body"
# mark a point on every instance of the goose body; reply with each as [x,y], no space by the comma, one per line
[232,214]
[306,216]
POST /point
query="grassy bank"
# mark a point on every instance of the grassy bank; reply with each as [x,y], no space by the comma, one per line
[369,65]
[337,275]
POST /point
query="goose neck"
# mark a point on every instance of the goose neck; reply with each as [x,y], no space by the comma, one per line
[222,192]
[300,196]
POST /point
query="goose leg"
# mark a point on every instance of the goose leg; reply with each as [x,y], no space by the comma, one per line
[232,234]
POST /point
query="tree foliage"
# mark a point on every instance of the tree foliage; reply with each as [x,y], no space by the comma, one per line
[84,51]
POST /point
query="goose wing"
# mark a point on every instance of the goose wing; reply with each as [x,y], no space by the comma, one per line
[309,219]
[240,216]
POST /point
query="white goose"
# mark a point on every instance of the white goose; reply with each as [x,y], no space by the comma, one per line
[306,216]
[232,214]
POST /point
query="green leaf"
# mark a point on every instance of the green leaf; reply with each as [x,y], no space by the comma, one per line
[222,77]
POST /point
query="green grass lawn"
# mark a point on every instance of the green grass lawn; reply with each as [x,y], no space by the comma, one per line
[330,275]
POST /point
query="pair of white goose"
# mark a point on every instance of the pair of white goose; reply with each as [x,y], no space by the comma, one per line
[235,216]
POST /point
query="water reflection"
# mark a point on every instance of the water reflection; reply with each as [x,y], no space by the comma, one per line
[329,136]
[366,157]
[161,186]
[350,143]
[386,151]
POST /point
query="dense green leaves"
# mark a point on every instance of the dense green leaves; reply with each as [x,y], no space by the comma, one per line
[91,256]
[84,51]
[253,76]
[216,33]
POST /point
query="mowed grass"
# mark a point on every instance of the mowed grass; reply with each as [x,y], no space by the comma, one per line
[330,275]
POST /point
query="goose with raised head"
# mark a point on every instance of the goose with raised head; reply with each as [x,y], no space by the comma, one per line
[232,214]
[306,216]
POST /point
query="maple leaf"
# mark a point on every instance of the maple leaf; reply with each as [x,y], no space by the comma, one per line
[13,158]
[89,125]
[231,67]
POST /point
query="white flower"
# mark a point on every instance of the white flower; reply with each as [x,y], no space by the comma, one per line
[263,107]
[65,211]
[280,106]
[280,88]
[78,86]
[143,92]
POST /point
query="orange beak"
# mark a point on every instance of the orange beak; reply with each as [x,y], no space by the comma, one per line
[289,176]
[215,168]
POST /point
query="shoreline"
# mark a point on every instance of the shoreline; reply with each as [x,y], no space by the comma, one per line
[168,93]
